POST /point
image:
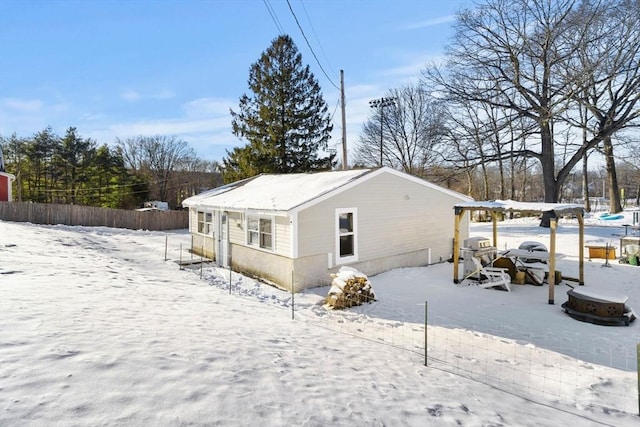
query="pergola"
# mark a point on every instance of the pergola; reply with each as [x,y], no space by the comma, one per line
[554,210]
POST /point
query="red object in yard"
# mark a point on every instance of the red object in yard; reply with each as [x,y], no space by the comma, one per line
[5,186]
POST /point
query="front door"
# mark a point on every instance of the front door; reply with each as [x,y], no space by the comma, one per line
[222,257]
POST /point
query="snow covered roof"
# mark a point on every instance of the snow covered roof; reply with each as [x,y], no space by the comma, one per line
[286,192]
[274,192]
[513,206]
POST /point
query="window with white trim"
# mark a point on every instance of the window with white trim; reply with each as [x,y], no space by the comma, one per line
[205,222]
[260,232]
[346,235]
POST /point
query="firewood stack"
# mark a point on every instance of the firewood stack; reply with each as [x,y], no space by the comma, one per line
[349,287]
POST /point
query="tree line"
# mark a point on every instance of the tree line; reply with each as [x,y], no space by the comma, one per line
[528,90]
[76,170]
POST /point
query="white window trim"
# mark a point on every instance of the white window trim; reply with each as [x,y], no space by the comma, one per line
[273,232]
[350,258]
[205,222]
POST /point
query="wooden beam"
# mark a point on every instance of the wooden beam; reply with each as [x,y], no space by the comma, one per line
[495,228]
[581,248]
[456,243]
[577,211]
[552,259]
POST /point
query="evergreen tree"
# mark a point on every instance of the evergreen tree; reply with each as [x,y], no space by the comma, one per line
[115,186]
[41,176]
[285,121]
[71,163]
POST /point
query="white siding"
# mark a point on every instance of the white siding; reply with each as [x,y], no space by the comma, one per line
[282,231]
[399,223]
[237,232]
[193,220]
[201,244]
[281,228]
[395,216]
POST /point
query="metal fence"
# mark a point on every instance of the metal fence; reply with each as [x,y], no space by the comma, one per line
[50,213]
[598,375]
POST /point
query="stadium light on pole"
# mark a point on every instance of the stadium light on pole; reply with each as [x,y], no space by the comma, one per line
[380,103]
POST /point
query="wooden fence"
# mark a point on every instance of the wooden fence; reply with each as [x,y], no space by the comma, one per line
[49,213]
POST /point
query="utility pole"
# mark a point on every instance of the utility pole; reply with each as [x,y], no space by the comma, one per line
[380,103]
[344,123]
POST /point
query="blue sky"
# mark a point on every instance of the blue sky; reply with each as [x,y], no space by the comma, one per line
[121,68]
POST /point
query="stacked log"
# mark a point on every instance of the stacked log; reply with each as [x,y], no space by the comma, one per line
[349,288]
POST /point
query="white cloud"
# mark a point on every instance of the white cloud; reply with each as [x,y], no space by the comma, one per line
[207,107]
[23,105]
[130,95]
[25,117]
[178,127]
[133,95]
[430,22]
[92,117]
[201,116]
[413,65]
[163,94]
[204,123]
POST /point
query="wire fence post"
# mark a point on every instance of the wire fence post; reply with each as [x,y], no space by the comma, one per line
[180,256]
[425,333]
[166,243]
[293,293]
[201,259]
[229,277]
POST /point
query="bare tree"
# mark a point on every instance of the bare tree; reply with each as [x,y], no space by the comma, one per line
[483,137]
[192,176]
[407,131]
[132,153]
[467,137]
[612,91]
[511,55]
[157,156]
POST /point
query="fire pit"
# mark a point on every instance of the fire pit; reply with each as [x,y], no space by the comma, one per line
[598,309]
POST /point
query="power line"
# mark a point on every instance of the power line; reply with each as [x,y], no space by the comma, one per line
[335,109]
[313,30]
[175,181]
[309,45]
[273,16]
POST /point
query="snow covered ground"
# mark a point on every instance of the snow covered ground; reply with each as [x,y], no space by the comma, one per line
[96,328]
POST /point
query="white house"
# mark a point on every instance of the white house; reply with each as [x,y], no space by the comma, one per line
[295,229]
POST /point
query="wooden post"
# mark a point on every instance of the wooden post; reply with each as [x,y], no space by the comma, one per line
[494,220]
[425,333]
[581,248]
[344,122]
[552,259]
[293,293]
[456,242]
[166,243]
[606,255]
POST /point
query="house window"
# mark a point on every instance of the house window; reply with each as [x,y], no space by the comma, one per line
[260,232]
[205,222]
[346,235]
